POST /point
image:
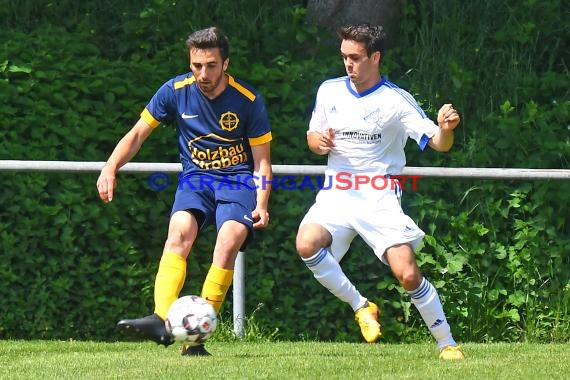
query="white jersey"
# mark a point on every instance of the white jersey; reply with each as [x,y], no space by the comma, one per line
[370,128]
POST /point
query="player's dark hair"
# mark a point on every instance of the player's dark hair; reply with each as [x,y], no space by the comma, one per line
[209,38]
[371,36]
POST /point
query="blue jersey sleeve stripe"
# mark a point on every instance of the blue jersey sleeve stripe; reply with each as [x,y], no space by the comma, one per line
[150,120]
[408,98]
[253,141]
[248,94]
[423,141]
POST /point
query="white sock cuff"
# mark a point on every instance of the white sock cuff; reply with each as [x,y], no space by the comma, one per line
[316,258]
[422,291]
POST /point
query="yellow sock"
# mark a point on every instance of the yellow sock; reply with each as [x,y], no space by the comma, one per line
[216,286]
[169,281]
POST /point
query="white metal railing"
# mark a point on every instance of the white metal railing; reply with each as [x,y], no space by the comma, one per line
[239,273]
[150,167]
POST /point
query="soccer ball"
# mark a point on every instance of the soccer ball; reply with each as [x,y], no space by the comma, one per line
[191,320]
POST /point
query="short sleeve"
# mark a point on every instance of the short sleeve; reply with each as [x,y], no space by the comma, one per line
[318,121]
[416,123]
[162,105]
[259,129]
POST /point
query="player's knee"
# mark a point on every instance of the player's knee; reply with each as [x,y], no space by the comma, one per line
[231,238]
[229,244]
[311,238]
[307,243]
[306,247]
[178,241]
[410,278]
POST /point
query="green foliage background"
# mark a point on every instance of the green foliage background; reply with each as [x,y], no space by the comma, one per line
[75,75]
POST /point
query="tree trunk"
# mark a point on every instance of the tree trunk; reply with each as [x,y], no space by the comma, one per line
[333,14]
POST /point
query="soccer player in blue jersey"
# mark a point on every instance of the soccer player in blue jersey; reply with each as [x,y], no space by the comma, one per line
[224,143]
[362,121]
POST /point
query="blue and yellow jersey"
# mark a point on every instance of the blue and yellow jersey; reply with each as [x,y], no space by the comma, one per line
[215,136]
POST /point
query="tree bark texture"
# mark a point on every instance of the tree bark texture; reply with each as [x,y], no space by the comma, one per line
[333,14]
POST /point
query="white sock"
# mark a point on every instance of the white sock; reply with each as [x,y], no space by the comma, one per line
[427,302]
[328,272]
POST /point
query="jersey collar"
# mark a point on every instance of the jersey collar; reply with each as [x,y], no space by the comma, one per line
[369,91]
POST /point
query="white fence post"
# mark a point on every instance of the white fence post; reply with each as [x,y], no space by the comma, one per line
[239,295]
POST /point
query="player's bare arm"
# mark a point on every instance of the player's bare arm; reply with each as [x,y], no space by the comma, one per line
[447,119]
[321,143]
[125,150]
[262,170]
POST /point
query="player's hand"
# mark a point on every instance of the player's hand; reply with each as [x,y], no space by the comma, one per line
[260,218]
[326,140]
[448,117]
[106,184]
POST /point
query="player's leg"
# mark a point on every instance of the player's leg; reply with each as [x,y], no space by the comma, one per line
[182,232]
[192,210]
[402,262]
[313,242]
[314,245]
[170,278]
[231,237]
[394,236]
[234,232]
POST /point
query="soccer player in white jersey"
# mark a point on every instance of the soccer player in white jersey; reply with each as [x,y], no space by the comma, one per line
[362,121]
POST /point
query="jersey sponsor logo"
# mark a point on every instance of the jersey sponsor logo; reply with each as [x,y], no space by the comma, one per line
[359,137]
[185,116]
[373,117]
[232,154]
[229,121]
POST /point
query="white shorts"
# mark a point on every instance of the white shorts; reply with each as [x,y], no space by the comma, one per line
[374,215]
